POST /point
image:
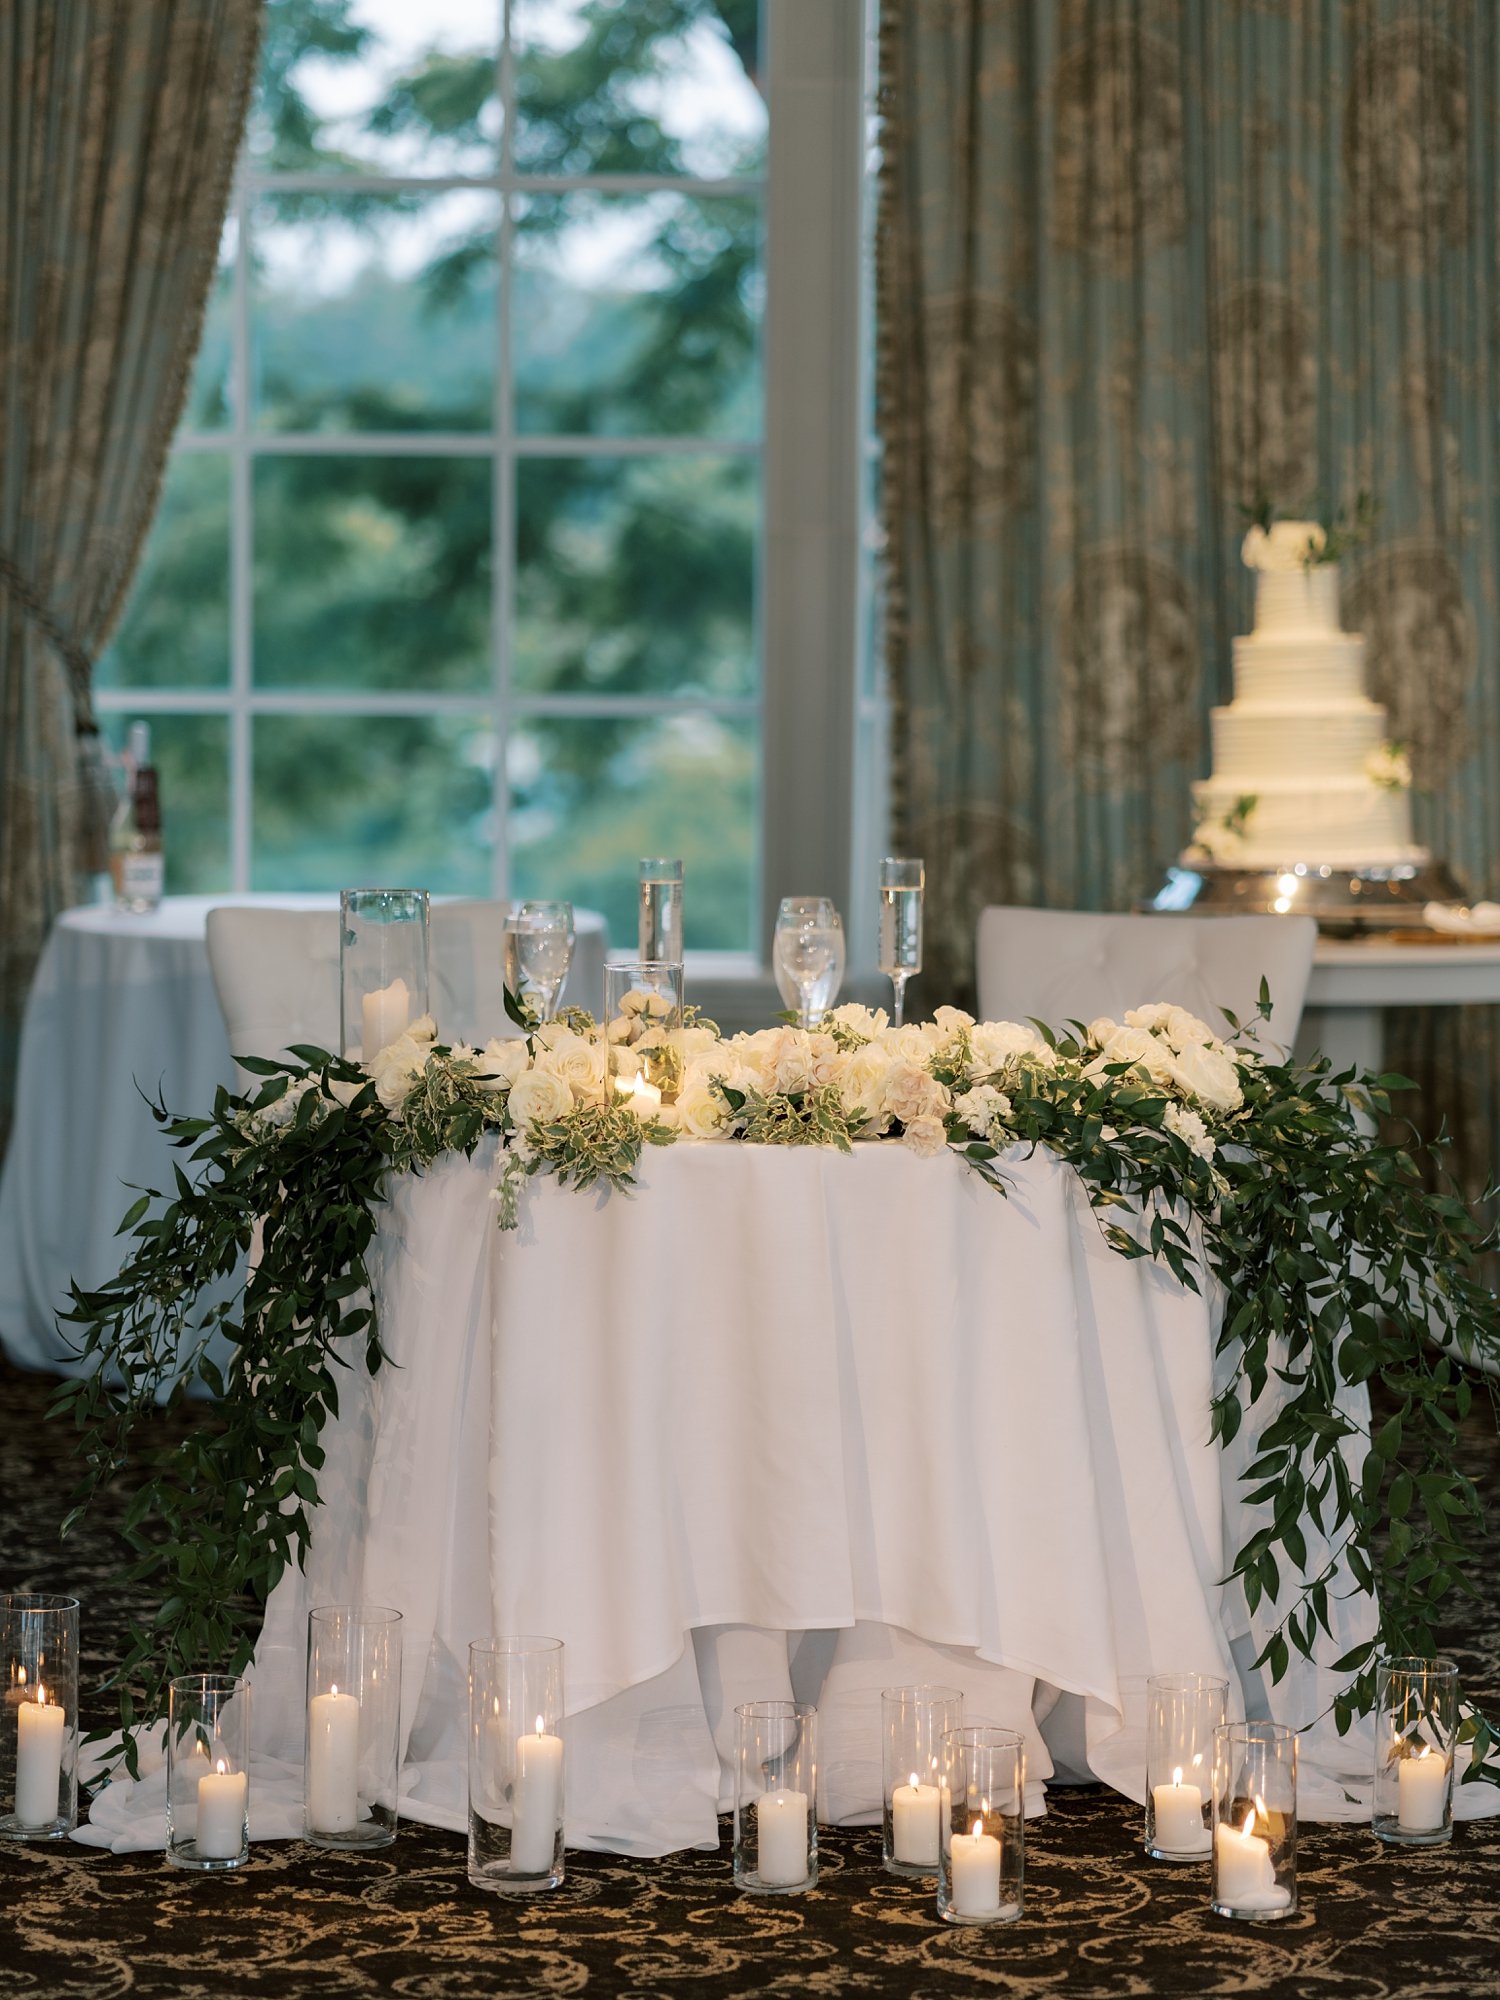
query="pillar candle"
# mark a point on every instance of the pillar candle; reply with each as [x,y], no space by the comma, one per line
[781,1838]
[385,1014]
[1421,1791]
[1245,1876]
[915,1820]
[332,1762]
[974,1868]
[536,1799]
[1178,1810]
[40,1729]
[221,1813]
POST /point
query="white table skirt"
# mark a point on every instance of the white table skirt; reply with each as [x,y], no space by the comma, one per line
[122,1004]
[783,1420]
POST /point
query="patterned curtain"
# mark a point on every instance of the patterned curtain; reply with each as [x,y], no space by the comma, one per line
[119,124]
[1140,261]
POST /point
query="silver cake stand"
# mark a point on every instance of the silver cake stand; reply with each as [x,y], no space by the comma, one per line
[1347,902]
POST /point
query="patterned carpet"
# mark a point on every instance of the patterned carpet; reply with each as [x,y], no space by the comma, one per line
[1100,1922]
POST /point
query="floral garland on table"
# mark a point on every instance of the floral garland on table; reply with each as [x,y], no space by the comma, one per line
[1338,1264]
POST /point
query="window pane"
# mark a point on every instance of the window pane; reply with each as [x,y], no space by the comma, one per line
[383,86]
[373,312]
[210,396]
[175,632]
[637,314]
[590,797]
[191,755]
[636,575]
[404,800]
[634,89]
[372,572]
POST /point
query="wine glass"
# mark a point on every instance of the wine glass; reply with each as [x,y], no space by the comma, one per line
[808,949]
[825,990]
[538,952]
[901,886]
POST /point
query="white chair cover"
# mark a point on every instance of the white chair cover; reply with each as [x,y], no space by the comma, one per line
[1074,965]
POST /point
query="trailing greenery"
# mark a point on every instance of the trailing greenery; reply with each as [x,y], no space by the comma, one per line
[1338,1264]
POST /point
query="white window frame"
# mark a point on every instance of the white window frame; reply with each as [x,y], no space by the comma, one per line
[808,609]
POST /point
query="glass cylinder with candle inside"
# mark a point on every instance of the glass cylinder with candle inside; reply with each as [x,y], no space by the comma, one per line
[1255,1821]
[982,1858]
[913,1723]
[208,1771]
[1182,1713]
[1416,1722]
[775,1797]
[353,1725]
[383,967]
[39,1724]
[516,1710]
[643,1003]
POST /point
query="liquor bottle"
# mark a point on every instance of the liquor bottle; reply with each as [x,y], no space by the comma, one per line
[135,850]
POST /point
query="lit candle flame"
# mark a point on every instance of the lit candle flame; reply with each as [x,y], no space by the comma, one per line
[1425,1751]
[978,1828]
[914,1781]
[222,1768]
[1177,1775]
[1247,1831]
[22,1681]
[539,1729]
[41,1695]
[334,1689]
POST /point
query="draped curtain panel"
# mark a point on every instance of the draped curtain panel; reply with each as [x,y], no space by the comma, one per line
[1141,261]
[119,124]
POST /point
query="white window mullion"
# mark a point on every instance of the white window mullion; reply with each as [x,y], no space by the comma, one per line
[503,486]
[241,564]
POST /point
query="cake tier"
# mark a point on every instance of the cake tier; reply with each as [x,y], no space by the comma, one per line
[1258,746]
[1297,600]
[1290,672]
[1340,823]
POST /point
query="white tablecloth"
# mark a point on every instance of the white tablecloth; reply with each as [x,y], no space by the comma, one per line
[120,1005]
[783,1420]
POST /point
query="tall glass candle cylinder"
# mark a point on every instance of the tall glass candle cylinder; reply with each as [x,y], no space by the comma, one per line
[775,1797]
[913,1724]
[982,1860]
[660,927]
[39,1724]
[1255,1821]
[208,1771]
[1416,1722]
[1182,1713]
[516,1771]
[383,967]
[352,1769]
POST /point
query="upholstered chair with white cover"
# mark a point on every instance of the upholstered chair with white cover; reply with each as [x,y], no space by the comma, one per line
[1074,965]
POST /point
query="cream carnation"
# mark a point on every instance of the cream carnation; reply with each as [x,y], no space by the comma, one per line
[983,1108]
[1187,1126]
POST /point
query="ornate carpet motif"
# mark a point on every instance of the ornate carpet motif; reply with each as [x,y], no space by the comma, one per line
[1100,1922]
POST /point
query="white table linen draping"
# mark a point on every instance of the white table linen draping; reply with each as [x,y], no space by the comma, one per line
[783,1421]
[121,1005]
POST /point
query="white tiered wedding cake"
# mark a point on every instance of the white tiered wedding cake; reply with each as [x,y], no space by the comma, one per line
[1302,772]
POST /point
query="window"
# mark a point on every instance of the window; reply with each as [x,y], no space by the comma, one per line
[500,543]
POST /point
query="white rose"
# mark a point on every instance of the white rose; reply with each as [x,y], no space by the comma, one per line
[696,1041]
[951,1021]
[857,1020]
[343,1092]
[1181,1028]
[861,1083]
[699,1113]
[1190,1129]
[396,1068]
[1134,1045]
[578,1061]
[911,1094]
[1210,1076]
[925,1135]
[539,1094]
[499,1063]
[423,1029]
[997,1043]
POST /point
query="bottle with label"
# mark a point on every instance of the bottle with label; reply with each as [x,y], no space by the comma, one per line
[135,850]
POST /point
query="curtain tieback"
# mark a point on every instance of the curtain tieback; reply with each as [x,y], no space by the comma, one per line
[80,666]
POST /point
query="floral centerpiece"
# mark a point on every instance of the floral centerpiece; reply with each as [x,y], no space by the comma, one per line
[1339,1267]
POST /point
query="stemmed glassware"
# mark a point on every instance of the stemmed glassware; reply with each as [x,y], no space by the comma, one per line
[538,952]
[808,953]
[901,886]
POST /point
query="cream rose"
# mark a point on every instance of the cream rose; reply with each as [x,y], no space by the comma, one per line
[538,1094]
[499,1063]
[575,1059]
[1209,1075]
[926,1136]
[396,1068]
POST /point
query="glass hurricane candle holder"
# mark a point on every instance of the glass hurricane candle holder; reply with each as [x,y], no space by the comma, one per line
[516,1764]
[39,1728]
[982,1860]
[350,1787]
[913,1724]
[775,1797]
[660,927]
[643,1002]
[208,1771]
[1416,1722]
[383,956]
[1182,1713]
[1255,1821]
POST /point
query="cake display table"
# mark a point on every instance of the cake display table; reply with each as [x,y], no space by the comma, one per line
[1355,979]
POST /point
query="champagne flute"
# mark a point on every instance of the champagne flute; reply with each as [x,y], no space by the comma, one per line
[808,933]
[538,952]
[901,886]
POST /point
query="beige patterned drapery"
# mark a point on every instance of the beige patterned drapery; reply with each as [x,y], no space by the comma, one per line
[119,124]
[1139,262]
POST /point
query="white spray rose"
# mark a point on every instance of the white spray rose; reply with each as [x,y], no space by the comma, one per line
[1186,1125]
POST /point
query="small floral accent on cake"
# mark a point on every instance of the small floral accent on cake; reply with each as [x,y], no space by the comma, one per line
[1390,768]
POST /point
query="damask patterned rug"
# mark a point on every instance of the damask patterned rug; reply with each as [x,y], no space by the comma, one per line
[1100,1922]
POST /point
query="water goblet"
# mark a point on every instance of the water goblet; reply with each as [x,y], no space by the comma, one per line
[825,990]
[538,952]
[901,886]
[807,949]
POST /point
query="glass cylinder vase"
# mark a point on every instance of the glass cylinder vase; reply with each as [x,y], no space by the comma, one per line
[913,1724]
[39,1729]
[775,1797]
[353,1763]
[643,1003]
[208,1771]
[982,1861]
[1182,1713]
[516,1770]
[1255,1821]
[1416,1721]
[383,967]
[659,932]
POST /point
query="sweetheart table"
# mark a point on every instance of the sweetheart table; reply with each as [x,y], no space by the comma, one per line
[782,1420]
